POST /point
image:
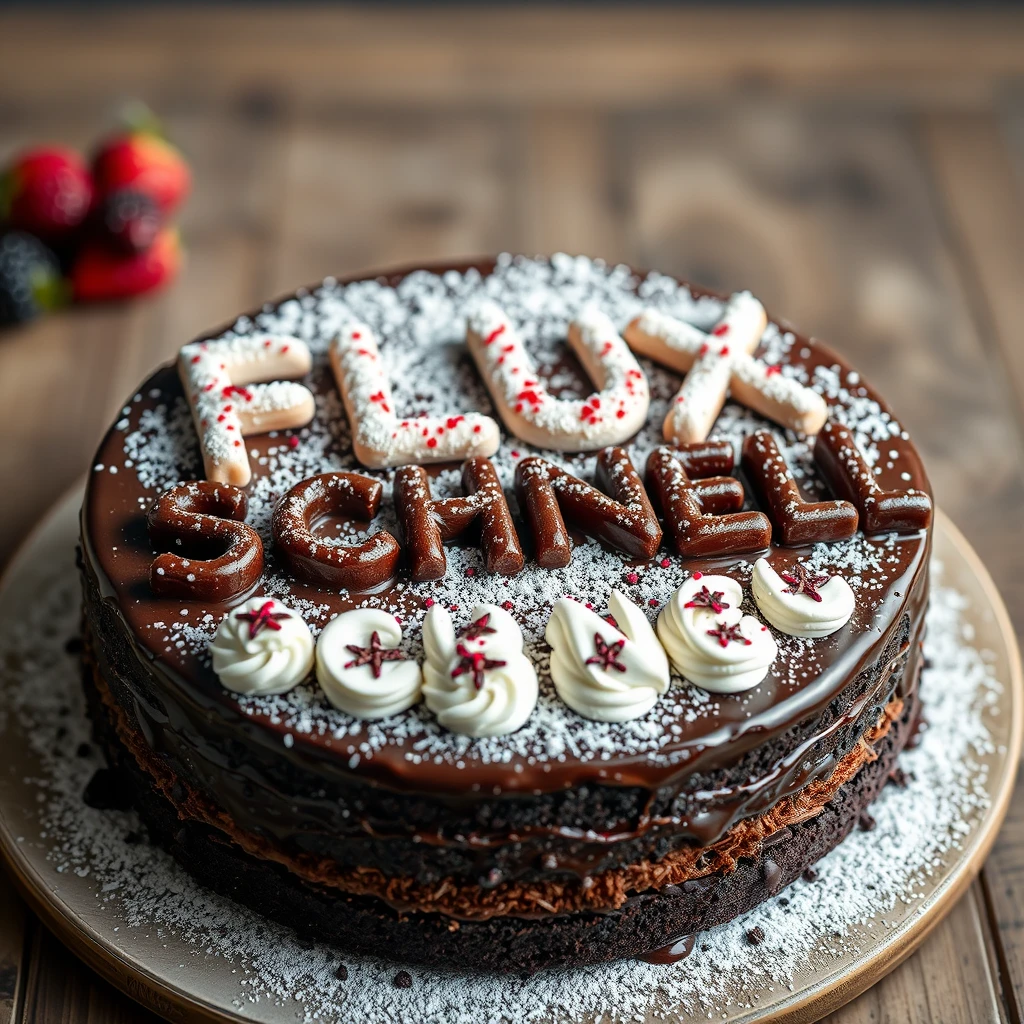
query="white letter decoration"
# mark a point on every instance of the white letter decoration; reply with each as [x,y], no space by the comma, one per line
[609,416]
[720,363]
[379,438]
[221,384]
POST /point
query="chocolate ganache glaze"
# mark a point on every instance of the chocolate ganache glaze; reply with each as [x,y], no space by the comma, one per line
[564,799]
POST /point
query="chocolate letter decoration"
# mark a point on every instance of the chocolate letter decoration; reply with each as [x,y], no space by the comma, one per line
[849,476]
[216,556]
[626,520]
[363,566]
[426,522]
[794,520]
[689,509]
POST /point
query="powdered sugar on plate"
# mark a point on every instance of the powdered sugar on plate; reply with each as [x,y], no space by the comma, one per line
[866,887]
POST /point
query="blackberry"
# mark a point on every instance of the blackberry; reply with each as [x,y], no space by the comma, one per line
[30,279]
[130,220]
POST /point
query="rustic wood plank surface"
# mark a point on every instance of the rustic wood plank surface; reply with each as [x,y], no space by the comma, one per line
[862,172]
[12,953]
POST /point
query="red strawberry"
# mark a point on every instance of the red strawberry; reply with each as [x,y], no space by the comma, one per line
[99,274]
[47,192]
[145,163]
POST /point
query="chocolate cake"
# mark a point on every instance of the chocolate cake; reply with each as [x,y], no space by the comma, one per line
[541,675]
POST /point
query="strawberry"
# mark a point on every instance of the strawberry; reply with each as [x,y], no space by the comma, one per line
[47,192]
[99,274]
[143,162]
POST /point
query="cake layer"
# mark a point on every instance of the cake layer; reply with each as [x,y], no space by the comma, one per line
[795,836]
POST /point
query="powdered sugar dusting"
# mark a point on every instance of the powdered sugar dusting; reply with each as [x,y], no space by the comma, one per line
[868,885]
[420,325]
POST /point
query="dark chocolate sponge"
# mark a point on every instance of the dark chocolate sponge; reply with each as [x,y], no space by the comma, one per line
[646,922]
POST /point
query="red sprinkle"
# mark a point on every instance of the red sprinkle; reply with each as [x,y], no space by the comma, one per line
[431,442]
[471,571]
[698,575]
[666,562]
[632,578]
[772,370]
[429,603]
[507,605]
[293,442]
[721,330]
[496,333]
[653,602]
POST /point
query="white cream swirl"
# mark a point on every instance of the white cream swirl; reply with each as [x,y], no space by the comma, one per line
[711,642]
[373,680]
[603,673]
[796,611]
[478,683]
[262,647]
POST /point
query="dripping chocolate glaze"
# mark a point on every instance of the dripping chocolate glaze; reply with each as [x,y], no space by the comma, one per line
[188,712]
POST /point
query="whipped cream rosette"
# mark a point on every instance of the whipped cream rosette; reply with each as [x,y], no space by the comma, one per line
[262,647]
[802,603]
[360,668]
[477,680]
[711,643]
[602,672]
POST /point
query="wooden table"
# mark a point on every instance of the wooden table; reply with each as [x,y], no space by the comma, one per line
[863,173]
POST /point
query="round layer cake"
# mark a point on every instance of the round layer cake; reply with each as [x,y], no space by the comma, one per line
[506,808]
